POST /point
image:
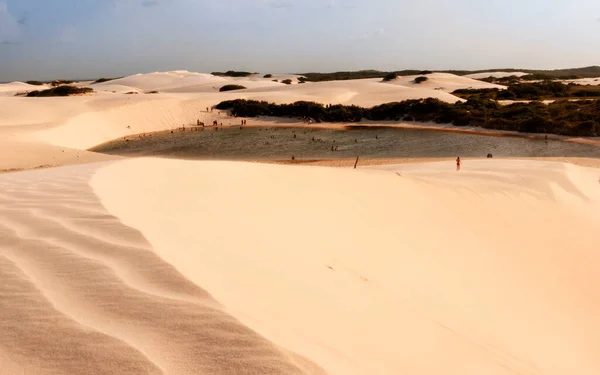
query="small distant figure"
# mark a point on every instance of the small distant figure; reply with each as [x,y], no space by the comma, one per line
[490,156]
[293,158]
[294,136]
[458,164]
[376,136]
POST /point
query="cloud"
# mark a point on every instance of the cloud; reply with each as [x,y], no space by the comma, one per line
[10,31]
[150,3]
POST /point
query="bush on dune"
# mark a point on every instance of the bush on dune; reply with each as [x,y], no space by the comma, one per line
[421,79]
[59,82]
[35,83]
[563,117]
[232,73]
[287,81]
[102,80]
[268,76]
[61,91]
[390,77]
[231,88]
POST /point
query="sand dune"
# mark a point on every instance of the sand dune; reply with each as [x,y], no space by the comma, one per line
[445,82]
[83,294]
[153,266]
[507,285]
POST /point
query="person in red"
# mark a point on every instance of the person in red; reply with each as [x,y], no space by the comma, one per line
[458,163]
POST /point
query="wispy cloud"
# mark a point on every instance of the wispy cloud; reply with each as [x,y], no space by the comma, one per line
[150,3]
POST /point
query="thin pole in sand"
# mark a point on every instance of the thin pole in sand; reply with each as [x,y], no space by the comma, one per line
[356,163]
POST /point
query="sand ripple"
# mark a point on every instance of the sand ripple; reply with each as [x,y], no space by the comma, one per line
[83,294]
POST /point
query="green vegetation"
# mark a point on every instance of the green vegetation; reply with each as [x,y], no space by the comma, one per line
[590,71]
[35,83]
[532,91]
[287,81]
[61,91]
[59,82]
[152,92]
[581,118]
[102,80]
[268,75]
[232,73]
[231,88]
[390,77]
[301,79]
[420,79]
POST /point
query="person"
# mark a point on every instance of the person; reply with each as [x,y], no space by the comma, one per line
[458,163]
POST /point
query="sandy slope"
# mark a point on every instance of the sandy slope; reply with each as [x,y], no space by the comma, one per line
[83,294]
[493,270]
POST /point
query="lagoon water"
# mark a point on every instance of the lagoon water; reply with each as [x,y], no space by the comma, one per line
[303,143]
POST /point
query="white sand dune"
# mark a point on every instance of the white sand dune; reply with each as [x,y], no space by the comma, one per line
[493,270]
[153,266]
[13,88]
[445,82]
[83,294]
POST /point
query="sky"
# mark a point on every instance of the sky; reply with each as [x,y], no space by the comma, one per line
[77,39]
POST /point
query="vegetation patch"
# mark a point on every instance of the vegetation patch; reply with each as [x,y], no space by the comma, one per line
[420,79]
[35,83]
[268,76]
[390,77]
[532,91]
[287,81]
[102,80]
[61,91]
[579,118]
[232,73]
[590,71]
[231,88]
[59,82]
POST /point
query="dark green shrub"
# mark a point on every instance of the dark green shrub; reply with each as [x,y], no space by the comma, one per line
[231,88]
[59,82]
[390,77]
[61,91]
[232,73]
[102,80]
[420,79]
[35,83]
[287,81]
[268,75]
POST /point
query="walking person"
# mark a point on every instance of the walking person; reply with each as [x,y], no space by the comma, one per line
[458,164]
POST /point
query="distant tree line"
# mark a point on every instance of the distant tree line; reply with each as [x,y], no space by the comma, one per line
[579,118]
[532,91]
[591,71]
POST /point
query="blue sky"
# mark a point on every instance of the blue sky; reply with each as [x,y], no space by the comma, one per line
[47,39]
